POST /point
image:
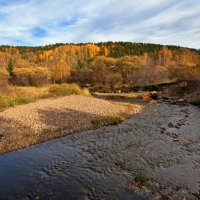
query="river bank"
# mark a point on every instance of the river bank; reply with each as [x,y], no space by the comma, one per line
[46,119]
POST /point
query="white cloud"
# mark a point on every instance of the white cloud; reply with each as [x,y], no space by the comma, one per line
[156,21]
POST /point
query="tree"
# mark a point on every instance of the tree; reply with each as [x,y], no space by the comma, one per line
[35,76]
[81,64]
[129,67]
[3,79]
[10,67]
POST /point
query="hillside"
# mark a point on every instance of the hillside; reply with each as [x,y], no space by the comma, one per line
[110,65]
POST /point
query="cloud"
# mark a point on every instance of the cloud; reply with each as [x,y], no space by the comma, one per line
[35,22]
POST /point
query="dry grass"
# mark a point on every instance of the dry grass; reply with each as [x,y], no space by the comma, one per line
[53,117]
[33,92]
[22,95]
[66,89]
[109,120]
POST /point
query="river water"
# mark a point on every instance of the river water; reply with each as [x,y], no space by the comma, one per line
[99,164]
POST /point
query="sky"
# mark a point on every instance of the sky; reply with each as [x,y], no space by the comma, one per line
[42,22]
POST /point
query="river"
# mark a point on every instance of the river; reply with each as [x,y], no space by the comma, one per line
[163,140]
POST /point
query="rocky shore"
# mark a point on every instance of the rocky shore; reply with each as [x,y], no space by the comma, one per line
[25,125]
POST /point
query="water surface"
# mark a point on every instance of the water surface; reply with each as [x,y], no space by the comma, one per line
[99,164]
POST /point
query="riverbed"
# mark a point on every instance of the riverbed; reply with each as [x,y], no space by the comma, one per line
[163,140]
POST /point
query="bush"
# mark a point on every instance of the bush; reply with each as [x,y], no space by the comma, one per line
[26,95]
[23,99]
[5,102]
[97,122]
[4,76]
[83,76]
[67,89]
[109,120]
[141,177]
[36,76]
[115,119]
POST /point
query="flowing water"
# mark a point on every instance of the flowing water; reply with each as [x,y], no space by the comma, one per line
[99,164]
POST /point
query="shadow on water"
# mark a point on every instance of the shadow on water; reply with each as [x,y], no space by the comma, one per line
[72,167]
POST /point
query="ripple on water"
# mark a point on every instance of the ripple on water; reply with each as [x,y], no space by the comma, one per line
[98,164]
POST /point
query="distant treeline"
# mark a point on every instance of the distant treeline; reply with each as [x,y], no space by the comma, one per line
[120,48]
[110,64]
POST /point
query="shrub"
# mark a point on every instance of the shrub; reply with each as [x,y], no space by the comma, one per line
[67,89]
[115,119]
[36,76]
[4,76]
[23,99]
[98,122]
[141,177]
[24,95]
[86,92]
[5,102]
[109,120]
[83,76]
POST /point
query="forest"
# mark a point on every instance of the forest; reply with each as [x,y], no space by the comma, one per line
[110,65]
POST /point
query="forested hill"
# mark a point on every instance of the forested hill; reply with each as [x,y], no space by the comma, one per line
[120,49]
[110,63]
[116,49]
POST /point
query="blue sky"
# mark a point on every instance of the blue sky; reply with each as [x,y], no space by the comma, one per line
[41,22]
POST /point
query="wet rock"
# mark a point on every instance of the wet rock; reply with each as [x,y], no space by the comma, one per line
[163,130]
[171,125]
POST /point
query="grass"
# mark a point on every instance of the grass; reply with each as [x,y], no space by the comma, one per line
[114,119]
[24,95]
[97,122]
[109,120]
[5,102]
[24,99]
[67,89]
[141,177]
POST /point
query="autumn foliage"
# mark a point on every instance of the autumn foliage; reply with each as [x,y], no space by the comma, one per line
[35,76]
[112,65]
[4,76]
